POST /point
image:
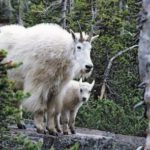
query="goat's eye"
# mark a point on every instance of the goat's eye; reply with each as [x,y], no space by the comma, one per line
[81,90]
[79,47]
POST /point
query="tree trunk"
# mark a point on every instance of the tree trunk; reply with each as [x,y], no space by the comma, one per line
[94,13]
[64,10]
[6,11]
[70,5]
[21,13]
[144,61]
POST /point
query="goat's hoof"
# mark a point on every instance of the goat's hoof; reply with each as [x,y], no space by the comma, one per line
[58,130]
[65,133]
[21,126]
[73,132]
[41,131]
[54,133]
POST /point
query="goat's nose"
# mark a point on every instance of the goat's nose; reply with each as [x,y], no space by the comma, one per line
[88,67]
[84,99]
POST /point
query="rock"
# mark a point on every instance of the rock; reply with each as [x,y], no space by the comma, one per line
[93,140]
[86,138]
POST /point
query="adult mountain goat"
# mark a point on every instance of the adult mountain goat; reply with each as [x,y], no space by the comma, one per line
[51,57]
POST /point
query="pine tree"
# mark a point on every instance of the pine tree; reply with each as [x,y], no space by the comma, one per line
[8,98]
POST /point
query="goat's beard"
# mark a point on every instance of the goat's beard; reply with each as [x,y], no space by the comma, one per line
[80,73]
[83,74]
[86,75]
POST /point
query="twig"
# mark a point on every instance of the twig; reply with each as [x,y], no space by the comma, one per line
[52,6]
[107,70]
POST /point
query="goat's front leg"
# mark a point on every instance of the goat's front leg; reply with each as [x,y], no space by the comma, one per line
[65,121]
[57,122]
[20,122]
[72,122]
[39,121]
[51,119]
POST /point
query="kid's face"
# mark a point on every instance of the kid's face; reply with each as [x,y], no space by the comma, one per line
[84,93]
[85,90]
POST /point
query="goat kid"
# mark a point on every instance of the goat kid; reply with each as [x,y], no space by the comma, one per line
[74,94]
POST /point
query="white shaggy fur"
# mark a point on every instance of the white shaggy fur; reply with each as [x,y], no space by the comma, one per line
[51,57]
[73,96]
[9,35]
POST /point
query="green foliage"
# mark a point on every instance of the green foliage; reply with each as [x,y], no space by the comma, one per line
[74,147]
[20,142]
[9,98]
[7,95]
[43,14]
[26,143]
[107,115]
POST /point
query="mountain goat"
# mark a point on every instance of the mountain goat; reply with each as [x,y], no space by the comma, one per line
[74,94]
[51,57]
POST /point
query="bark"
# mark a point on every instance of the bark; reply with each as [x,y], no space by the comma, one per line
[70,5]
[21,13]
[144,61]
[6,11]
[13,12]
[64,10]
[94,13]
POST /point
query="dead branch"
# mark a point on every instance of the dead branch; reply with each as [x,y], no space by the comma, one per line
[108,68]
[52,6]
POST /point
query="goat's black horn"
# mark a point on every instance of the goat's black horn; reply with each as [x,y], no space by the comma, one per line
[81,35]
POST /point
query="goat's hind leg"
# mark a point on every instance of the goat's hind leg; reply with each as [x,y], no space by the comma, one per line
[39,122]
[51,119]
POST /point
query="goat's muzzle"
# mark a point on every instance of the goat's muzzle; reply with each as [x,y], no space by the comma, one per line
[88,68]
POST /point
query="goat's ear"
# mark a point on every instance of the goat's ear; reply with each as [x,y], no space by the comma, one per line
[92,84]
[80,81]
[73,35]
[93,38]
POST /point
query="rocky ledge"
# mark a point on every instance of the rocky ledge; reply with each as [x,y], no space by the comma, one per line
[86,138]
